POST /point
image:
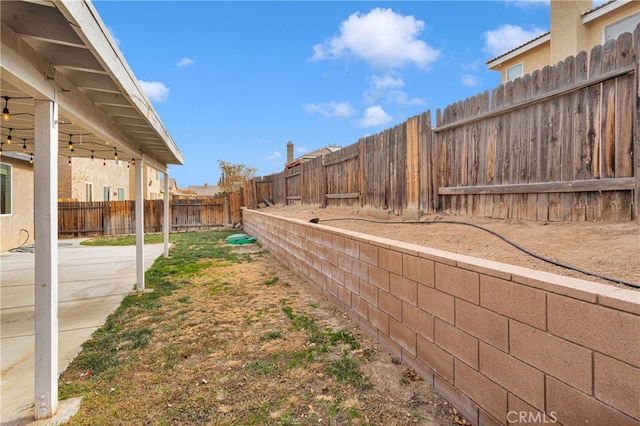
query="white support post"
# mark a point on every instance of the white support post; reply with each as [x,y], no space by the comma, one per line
[166,214]
[46,258]
[139,226]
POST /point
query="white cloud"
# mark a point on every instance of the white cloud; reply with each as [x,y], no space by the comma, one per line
[401,98]
[374,116]
[379,86]
[386,87]
[155,90]
[382,38]
[474,66]
[470,80]
[330,109]
[113,35]
[185,62]
[507,37]
[275,156]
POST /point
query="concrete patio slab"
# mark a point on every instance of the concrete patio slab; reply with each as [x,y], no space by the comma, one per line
[92,283]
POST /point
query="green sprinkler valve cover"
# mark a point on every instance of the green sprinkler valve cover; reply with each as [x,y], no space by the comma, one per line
[240,239]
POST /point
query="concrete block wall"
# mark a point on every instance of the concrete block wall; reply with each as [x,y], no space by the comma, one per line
[503,344]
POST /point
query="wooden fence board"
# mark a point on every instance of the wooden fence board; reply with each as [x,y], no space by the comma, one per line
[87,219]
[558,126]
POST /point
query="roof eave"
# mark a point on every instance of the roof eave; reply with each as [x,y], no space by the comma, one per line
[97,38]
[603,10]
[539,41]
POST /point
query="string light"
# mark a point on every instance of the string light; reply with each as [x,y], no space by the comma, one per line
[9,138]
[115,157]
[70,143]
[92,156]
[31,159]
[133,161]
[1,148]
[24,146]
[104,162]
[6,116]
[69,161]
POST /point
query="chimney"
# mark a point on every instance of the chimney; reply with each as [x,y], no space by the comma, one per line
[289,152]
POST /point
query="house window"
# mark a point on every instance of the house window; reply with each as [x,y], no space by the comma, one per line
[626,25]
[5,189]
[106,193]
[514,72]
[121,194]
[88,189]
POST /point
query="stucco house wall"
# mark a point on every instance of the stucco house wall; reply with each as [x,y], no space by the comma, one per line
[575,26]
[17,227]
[97,175]
[151,184]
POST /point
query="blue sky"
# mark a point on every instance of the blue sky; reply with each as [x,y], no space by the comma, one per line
[235,81]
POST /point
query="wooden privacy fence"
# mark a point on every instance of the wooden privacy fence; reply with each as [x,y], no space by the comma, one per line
[85,219]
[560,144]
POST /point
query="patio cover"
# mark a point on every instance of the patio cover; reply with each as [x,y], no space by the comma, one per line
[65,78]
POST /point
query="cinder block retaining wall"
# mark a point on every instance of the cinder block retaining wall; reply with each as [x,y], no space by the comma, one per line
[503,344]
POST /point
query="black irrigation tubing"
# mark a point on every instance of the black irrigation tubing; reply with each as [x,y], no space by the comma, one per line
[506,240]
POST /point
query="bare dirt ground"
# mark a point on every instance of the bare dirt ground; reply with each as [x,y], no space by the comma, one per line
[608,249]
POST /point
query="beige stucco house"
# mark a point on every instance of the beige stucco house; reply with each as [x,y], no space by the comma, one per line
[152,184]
[205,190]
[175,191]
[575,26]
[16,201]
[100,179]
[83,179]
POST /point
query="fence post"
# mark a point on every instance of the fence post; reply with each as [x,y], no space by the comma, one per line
[106,218]
[323,185]
[227,209]
[254,199]
[636,130]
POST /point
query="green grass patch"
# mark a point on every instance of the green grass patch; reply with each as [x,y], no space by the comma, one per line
[345,369]
[127,240]
[273,335]
[112,344]
[272,281]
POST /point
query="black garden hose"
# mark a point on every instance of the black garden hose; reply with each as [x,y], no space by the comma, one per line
[506,240]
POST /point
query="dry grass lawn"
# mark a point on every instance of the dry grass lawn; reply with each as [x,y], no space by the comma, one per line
[230,337]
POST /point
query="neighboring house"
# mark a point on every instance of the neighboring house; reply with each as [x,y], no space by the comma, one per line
[174,190]
[205,190]
[575,26]
[151,188]
[83,179]
[291,162]
[16,201]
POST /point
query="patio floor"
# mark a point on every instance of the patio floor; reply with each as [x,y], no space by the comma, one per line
[92,283]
